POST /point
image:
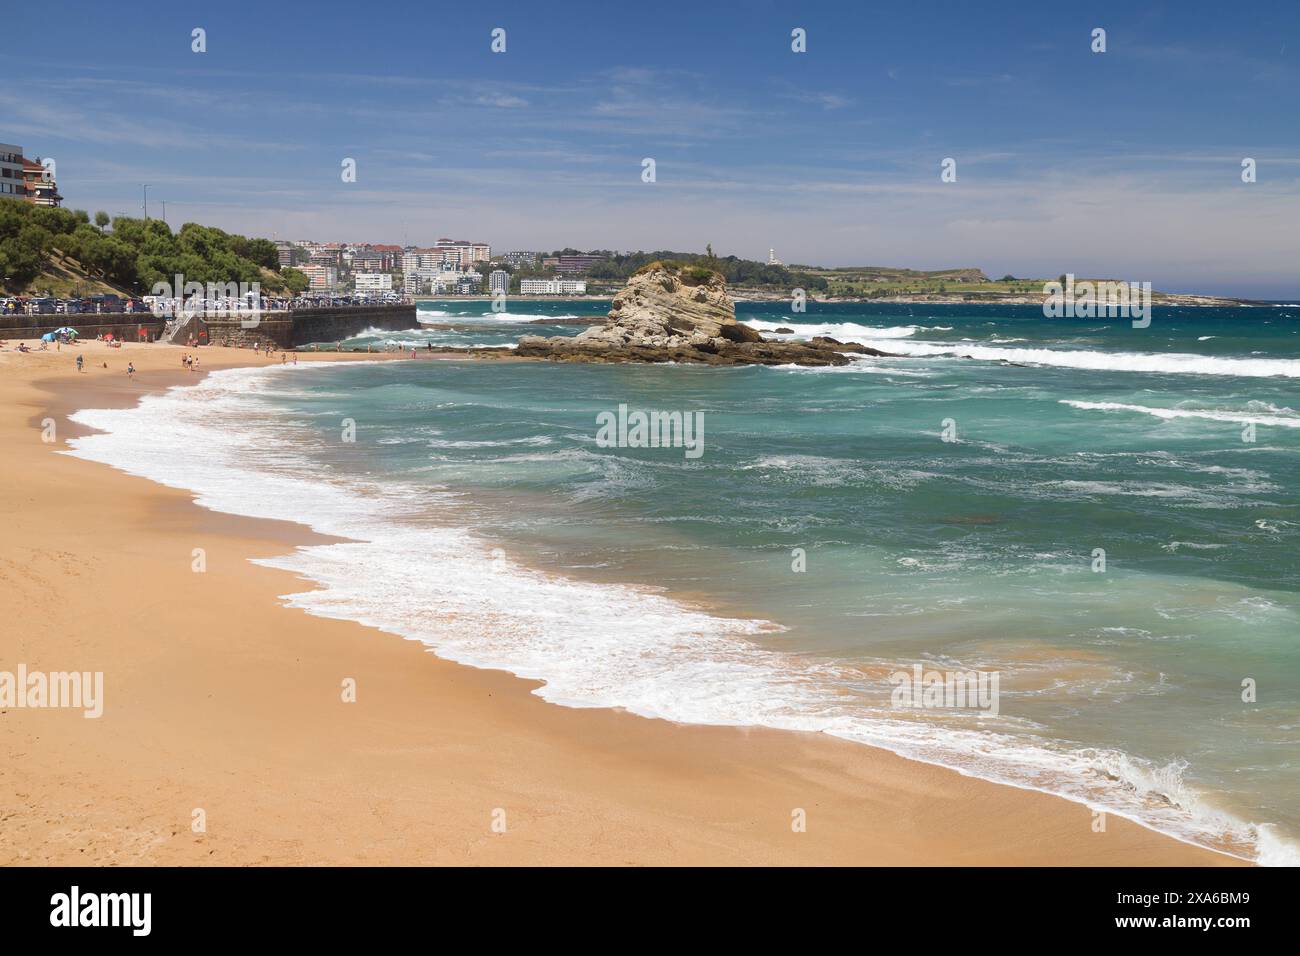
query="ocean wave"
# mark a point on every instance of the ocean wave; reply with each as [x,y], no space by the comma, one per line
[1271,415]
[504,443]
[836,330]
[858,365]
[1273,526]
[1172,363]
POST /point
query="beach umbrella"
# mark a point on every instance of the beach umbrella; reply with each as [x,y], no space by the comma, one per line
[66,331]
[108,336]
[48,337]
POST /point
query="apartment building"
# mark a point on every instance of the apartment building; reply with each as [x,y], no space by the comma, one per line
[576,265]
[323,278]
[552,287]
[12,185]
[520,259]
[41,187]
[465,254]
[367,260]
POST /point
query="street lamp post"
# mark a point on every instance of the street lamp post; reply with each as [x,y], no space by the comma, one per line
[145,188]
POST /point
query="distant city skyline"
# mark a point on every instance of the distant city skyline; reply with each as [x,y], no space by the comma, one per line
[1124,164]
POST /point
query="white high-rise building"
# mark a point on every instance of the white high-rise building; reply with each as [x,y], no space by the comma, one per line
[374,282]
[498,281]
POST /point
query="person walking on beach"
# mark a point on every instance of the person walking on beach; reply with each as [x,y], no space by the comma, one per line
[130,370]
[79,360]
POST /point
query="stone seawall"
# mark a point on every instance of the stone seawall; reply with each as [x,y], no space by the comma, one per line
[286,329]
[122,325]
[304,326]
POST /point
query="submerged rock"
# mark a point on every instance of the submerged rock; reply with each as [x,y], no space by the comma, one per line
[670,312]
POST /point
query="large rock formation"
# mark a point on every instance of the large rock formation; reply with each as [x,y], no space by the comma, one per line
[670,312]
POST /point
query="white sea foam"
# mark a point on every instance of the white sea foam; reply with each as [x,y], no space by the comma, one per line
[836,330]
[592,645]
[1278,416]
[1174,363]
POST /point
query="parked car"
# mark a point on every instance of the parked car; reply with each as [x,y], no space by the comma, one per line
[106,302]
[41,307]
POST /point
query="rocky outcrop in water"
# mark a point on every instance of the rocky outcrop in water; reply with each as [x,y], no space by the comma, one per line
[671,312]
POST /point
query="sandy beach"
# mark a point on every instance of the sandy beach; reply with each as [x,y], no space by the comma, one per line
[220,699]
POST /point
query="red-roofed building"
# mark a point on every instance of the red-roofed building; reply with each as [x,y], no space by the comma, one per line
[39,183]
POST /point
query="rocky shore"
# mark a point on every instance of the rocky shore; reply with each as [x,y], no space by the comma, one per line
[670,312]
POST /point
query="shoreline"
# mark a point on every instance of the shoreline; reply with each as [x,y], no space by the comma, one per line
[222,698]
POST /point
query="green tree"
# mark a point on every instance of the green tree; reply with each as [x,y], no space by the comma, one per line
[294,280]
[24,248]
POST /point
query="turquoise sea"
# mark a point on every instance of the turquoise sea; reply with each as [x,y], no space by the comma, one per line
[829,535]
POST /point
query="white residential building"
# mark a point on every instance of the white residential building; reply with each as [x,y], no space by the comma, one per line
[499,281]
[11,172]
[374,282]
[552,287]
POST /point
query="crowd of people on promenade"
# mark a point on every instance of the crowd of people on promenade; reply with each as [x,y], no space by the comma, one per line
[165,306]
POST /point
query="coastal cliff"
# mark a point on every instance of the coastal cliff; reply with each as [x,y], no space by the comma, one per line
[670,312]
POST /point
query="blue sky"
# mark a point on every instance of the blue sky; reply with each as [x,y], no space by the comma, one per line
[1124,164]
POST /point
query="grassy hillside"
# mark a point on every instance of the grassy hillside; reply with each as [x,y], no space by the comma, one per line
[64,278]
[47,250]
[885,282]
